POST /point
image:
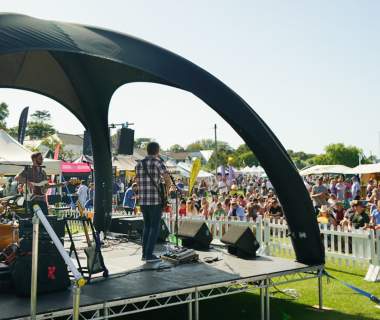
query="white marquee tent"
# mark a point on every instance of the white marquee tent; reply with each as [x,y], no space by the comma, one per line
[326,169]
[366,169]
[12,152]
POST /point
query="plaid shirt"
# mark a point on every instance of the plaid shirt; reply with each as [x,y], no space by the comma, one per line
[148,192]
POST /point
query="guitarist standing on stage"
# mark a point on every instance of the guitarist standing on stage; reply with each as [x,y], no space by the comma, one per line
[150,175]
[35,175]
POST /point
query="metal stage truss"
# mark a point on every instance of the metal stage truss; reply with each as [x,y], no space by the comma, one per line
[192,296]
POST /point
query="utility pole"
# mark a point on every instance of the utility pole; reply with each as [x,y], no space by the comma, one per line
[216,152]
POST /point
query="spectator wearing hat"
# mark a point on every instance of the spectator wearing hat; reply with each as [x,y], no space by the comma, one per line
[338,212]
[236,210]
[360,217]
[325,217]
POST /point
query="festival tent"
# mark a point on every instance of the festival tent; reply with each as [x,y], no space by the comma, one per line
[185,169]
[366,169]
[124,162]
[12,152]
[75,167]
[326,169]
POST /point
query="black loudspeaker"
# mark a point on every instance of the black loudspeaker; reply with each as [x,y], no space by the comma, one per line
[241,241]
[133,227]
[52,274]
[194,234]
[26,228]
[87,145]
[125,141]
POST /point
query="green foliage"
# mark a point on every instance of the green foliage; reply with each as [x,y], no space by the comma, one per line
[51,143]
[207,144]
[41,115]
[142,142]
[4,113]
[338,153]
[176,148]
[300,158]
[39,130]
[13,132]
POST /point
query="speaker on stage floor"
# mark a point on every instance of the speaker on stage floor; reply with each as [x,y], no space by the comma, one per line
[241,241]
[194,234]
[133,227]
[125,141]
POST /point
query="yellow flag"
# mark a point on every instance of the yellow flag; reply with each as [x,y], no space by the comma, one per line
[196,167]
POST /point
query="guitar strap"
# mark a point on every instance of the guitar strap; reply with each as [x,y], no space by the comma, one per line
[145,167]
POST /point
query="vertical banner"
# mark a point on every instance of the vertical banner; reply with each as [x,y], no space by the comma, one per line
[56,151]
[195,168]
[22,125]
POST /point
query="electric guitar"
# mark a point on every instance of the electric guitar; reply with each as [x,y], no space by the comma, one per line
[44,184]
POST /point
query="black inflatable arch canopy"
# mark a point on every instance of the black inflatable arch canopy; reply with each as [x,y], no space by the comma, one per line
[81,67]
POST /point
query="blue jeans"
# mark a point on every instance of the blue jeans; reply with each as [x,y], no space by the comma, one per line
[152,218]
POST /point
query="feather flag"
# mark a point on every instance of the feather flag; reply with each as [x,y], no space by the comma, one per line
[22,125]
[195,168]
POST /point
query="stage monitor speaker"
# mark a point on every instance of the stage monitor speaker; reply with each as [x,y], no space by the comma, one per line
[133,227]
[87,145]
[241,241]
[125,141]
[194,234]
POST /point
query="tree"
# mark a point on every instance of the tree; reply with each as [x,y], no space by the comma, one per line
[176,148]
[243,156]
[13,132]
[207,144]
[39,128]
[4,113]
[300,158]
[338,153]
[142,142]
[41,115]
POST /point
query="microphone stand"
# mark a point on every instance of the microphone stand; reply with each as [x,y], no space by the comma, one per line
[177,191]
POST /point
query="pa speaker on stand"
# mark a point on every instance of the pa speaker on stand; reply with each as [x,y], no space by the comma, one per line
[125,141]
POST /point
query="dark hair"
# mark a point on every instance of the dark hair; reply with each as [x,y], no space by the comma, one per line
[153,148]
[35,155]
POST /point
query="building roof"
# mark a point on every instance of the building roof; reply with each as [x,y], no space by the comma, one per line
[67,138]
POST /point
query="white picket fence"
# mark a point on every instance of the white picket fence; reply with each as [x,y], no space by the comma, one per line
[357,248]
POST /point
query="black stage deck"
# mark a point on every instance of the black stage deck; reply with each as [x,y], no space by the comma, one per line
[125,257]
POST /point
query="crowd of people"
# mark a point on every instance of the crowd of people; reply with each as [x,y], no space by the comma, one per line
[245,198]
[340,202]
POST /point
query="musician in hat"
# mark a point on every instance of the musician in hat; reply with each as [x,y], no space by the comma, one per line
[36,179]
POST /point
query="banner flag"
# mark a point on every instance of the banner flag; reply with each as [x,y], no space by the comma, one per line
[56,151]
[22,125]
[195,168]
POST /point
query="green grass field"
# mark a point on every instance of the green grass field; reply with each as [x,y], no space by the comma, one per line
[344,303]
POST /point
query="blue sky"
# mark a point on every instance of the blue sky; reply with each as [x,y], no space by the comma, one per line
[309,68]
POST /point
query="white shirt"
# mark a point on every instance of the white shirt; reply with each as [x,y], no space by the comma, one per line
[82,194]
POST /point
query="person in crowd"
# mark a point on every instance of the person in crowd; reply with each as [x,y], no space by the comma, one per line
[130,199]
[91,196]
[82,193]
[252,211]
[338,212]
[213,204]
[375,216]
[325,217]
[242,201]
[150,172]
[370,187]
[340,189]
[227,204]
[222,186]
[319,194]
[275,210]
[332,187]
[360,217]
[355,188]
[205,208]
[236,210]
[331,200]
[191,209]
[122,190]
[219,211]
[202,188]
[182,208]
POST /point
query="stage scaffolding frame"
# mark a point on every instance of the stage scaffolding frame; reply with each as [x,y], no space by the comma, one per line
[192,296]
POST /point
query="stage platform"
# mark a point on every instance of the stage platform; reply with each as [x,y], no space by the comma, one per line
[134,286]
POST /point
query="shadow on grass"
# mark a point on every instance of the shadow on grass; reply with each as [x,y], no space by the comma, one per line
[247,306]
